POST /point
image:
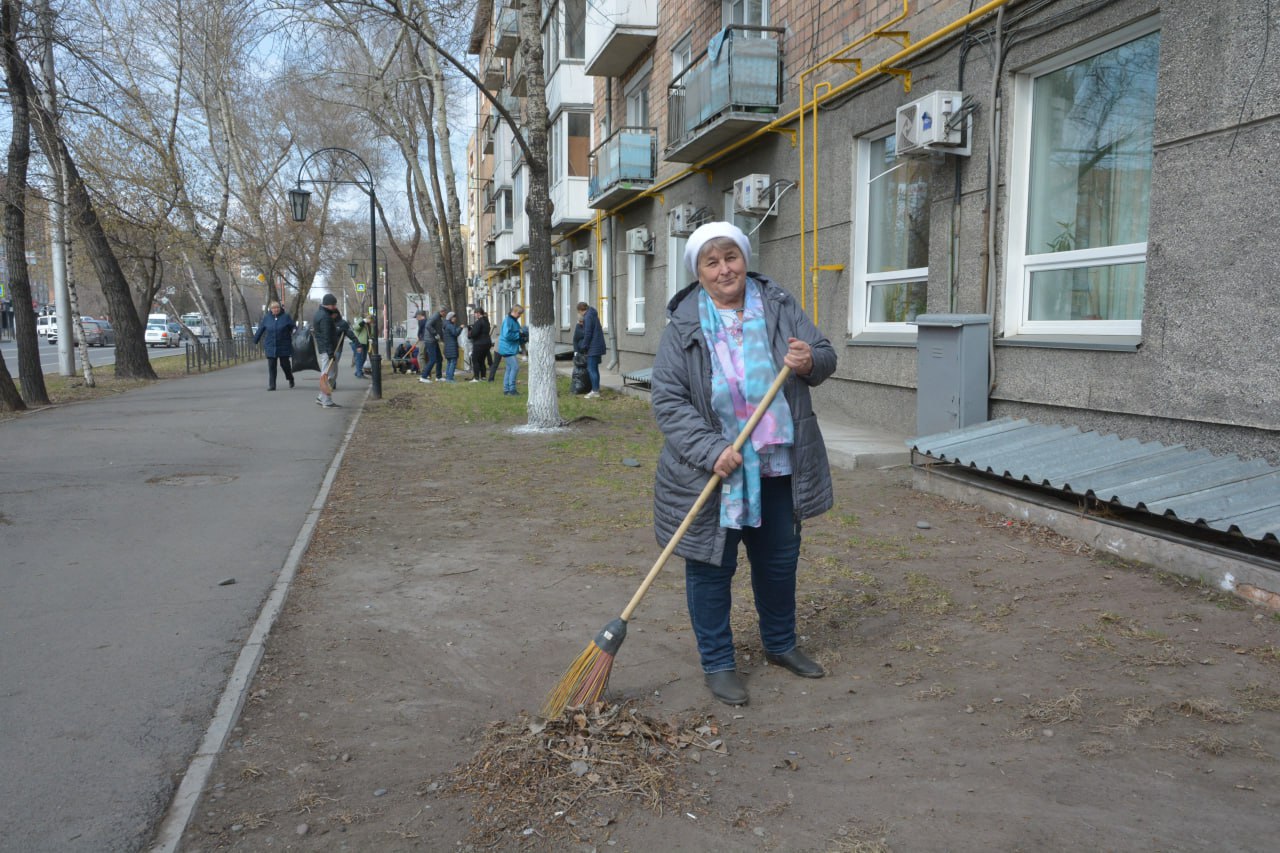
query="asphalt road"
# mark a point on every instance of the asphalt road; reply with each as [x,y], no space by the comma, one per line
[119,520]
[98,356]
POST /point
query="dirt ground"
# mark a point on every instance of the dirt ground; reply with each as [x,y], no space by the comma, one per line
[992,686]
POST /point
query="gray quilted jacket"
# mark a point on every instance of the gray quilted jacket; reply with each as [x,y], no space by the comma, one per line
[681,400]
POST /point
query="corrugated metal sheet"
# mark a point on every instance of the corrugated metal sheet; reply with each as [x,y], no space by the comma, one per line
[1224,493]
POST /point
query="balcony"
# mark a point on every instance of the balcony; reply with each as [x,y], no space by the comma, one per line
[487,196]
[622,167]
[491,253]
[495,73]
[618,32]
[487,129]
[732,88]
[506,32]
[519,80]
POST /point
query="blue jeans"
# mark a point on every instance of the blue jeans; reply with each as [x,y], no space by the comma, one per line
[773,549]
[433,359]
[512,373]
[593,371]
[451,364]
[360,354]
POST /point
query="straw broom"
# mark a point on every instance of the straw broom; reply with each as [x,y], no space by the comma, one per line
[586,678]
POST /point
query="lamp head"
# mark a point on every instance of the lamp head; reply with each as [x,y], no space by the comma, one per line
[299,202]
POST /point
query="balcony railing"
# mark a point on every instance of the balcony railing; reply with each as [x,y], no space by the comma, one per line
[495,72]
[506,31]
[734,84]
[622,166]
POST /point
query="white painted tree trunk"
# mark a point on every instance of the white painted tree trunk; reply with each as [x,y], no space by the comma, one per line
[544,403]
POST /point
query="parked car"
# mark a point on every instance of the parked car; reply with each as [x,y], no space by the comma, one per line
[160,334]
[98,333]
[46,324]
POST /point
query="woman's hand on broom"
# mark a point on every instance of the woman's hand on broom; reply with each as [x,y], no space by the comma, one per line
[730,460]
[799,357]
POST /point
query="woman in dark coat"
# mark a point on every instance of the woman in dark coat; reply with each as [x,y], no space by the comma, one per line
[481,343]
[591,344]
[451,332]
[277,328]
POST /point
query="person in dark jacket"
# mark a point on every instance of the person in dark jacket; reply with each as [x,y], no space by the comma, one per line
[481,344]
[591,344]
[278,328]
[729,334]
[327,331]
[430,334]
[451,331]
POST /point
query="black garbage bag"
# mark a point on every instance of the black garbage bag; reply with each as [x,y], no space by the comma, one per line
[304,351]
[580,383]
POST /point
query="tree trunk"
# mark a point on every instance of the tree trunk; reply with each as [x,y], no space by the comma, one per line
[132,361]
[544,404]
[15,212]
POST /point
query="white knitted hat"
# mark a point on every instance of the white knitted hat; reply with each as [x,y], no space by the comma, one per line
[710,231]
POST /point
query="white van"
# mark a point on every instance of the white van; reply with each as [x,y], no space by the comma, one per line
[47,326]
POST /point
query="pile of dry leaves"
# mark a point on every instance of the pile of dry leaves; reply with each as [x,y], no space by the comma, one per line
[568,777]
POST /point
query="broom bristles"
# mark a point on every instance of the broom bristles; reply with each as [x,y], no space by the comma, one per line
[586,677]
[582,683]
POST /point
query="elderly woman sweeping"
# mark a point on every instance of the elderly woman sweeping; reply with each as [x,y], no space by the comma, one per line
[729,335]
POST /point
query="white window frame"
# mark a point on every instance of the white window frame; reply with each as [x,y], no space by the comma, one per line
[682,54]
[636,97]
[727,7]
[563,284]
[675,269]
[1019,266]
[635,293]
[859,303]
[606,284]
[584,285]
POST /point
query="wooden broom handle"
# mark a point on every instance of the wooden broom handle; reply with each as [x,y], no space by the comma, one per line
[711,486]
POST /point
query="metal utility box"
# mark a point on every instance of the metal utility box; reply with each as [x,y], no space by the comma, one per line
[952,375]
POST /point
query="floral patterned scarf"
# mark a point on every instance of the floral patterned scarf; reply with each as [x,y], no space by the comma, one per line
[742,370]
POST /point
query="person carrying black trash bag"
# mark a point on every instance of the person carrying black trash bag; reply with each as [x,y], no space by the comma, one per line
[328,330]
[277,327]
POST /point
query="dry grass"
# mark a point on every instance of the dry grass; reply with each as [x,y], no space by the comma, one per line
[1257,697]
[1054,711]
[1210,710]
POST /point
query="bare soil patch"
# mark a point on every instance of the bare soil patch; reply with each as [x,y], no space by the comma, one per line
[992,685]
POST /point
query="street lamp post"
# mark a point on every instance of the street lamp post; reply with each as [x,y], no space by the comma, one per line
[300,201]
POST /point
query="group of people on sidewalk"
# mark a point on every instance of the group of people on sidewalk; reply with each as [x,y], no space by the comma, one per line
[442,331]
[275,332]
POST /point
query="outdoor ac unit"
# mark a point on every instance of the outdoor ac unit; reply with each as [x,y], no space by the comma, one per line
[932,124]
[639,241]
[561,264]
[751,194]
[582,259]
[681,220]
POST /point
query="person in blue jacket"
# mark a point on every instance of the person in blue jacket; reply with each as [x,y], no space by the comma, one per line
[591,344]
[509,342]
[277,327]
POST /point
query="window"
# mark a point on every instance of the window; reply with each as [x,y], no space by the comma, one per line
[504,210]
[579,144]
[677,275]
[555,153]
[605,277]
[681,55]
[635,293]
[747,223]
[891,240]
[584,286]
[575,29]
[637,95]
[562,285]
[1080,189]
[750,12]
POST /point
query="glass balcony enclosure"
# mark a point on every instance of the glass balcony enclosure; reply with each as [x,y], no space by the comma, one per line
[732,87]
[622,166]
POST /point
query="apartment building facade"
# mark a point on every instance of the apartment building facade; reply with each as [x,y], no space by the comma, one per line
[1092,175]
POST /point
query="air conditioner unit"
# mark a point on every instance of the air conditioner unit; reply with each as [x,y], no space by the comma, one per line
[751,194]
[561,264]
[639,241]
[932,124]
[582,259]
[681,220]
